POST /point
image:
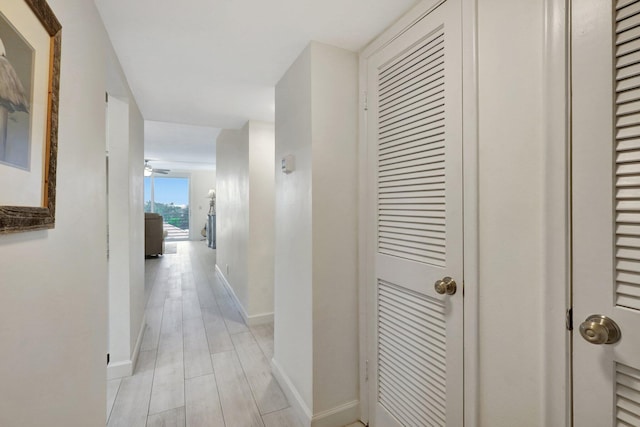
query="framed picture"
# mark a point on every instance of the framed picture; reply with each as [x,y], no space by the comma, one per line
[30,38]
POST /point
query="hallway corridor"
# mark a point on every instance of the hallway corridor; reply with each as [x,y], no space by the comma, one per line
[200,365]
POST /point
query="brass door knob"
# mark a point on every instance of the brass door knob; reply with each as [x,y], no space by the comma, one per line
[599,329]
[445,286]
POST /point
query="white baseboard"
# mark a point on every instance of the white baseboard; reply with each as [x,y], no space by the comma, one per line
[136,349]
[339,416]
[295,400]
[336,417]
[125,367]
[259,319]
[119,370]
[256,319]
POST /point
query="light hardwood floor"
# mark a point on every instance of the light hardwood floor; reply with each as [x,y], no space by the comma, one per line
[199,363]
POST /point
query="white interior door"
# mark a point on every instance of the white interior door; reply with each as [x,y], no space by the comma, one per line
[606,209]
[414,145]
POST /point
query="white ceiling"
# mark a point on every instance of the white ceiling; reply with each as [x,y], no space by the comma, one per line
[215,62]
[180,147]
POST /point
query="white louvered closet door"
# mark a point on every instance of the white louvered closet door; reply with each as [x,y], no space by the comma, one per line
[414,135]
[606,208]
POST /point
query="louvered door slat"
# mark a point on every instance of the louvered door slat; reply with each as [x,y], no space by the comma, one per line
[628,71]
[624,279]
[398,66]
[423,129]
[628,35]
[411,357]
[628,181]
[628,241]
[627,11]
[628,253]
[399,407]
[398,204]
[630,46]
[629,131]
[629,19]
[433,238]
[425,92]
[409,237]
[409,167]
[413,392]
[426,216]
[416,114]
[402,154]
[429,97]
[628,108]
[414,185]
[429,74]
[427,418]
[628,144]
[627,157]
[436,384]
[409,155]
[627,60]
[430,60]
[627,387]
[411,139]
[398,152]
[628,230]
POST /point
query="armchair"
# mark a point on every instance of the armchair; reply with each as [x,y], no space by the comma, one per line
[153,234]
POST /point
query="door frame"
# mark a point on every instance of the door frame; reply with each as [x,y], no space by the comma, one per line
[470,200]
[557,399]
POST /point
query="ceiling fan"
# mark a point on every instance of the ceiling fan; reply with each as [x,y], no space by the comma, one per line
[148,169]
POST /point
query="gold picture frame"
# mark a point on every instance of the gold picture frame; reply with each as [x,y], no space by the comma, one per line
[24,217]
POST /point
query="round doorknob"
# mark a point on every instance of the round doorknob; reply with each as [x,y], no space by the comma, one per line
[599,329]
[445,286]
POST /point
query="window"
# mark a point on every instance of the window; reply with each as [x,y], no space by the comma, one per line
[169,197]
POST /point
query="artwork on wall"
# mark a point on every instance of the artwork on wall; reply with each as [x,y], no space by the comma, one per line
[30,39]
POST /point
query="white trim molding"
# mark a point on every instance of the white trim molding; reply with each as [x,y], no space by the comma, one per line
[125,368]
[136,349]
[119,370]
[338,416]
[556,387]
[256,319]
[293,396]
[470,137]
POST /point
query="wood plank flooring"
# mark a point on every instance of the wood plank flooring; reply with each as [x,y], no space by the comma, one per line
[199,364]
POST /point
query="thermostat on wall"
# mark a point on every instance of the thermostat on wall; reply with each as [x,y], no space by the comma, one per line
[288,163]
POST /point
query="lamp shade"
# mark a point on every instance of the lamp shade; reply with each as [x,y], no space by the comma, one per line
[212,193]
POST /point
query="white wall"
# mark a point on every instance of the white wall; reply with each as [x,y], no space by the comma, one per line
[119,245]
[125,144]
[334,89]
[261,217]
[200,184]
[316,323]
[53,309]
[136,224]
[245,216]
[293,324]
[232,210]
[510,212]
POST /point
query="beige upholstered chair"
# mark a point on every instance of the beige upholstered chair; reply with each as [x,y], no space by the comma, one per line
[153,234]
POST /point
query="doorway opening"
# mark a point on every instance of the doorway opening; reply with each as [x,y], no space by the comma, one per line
[169,196]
